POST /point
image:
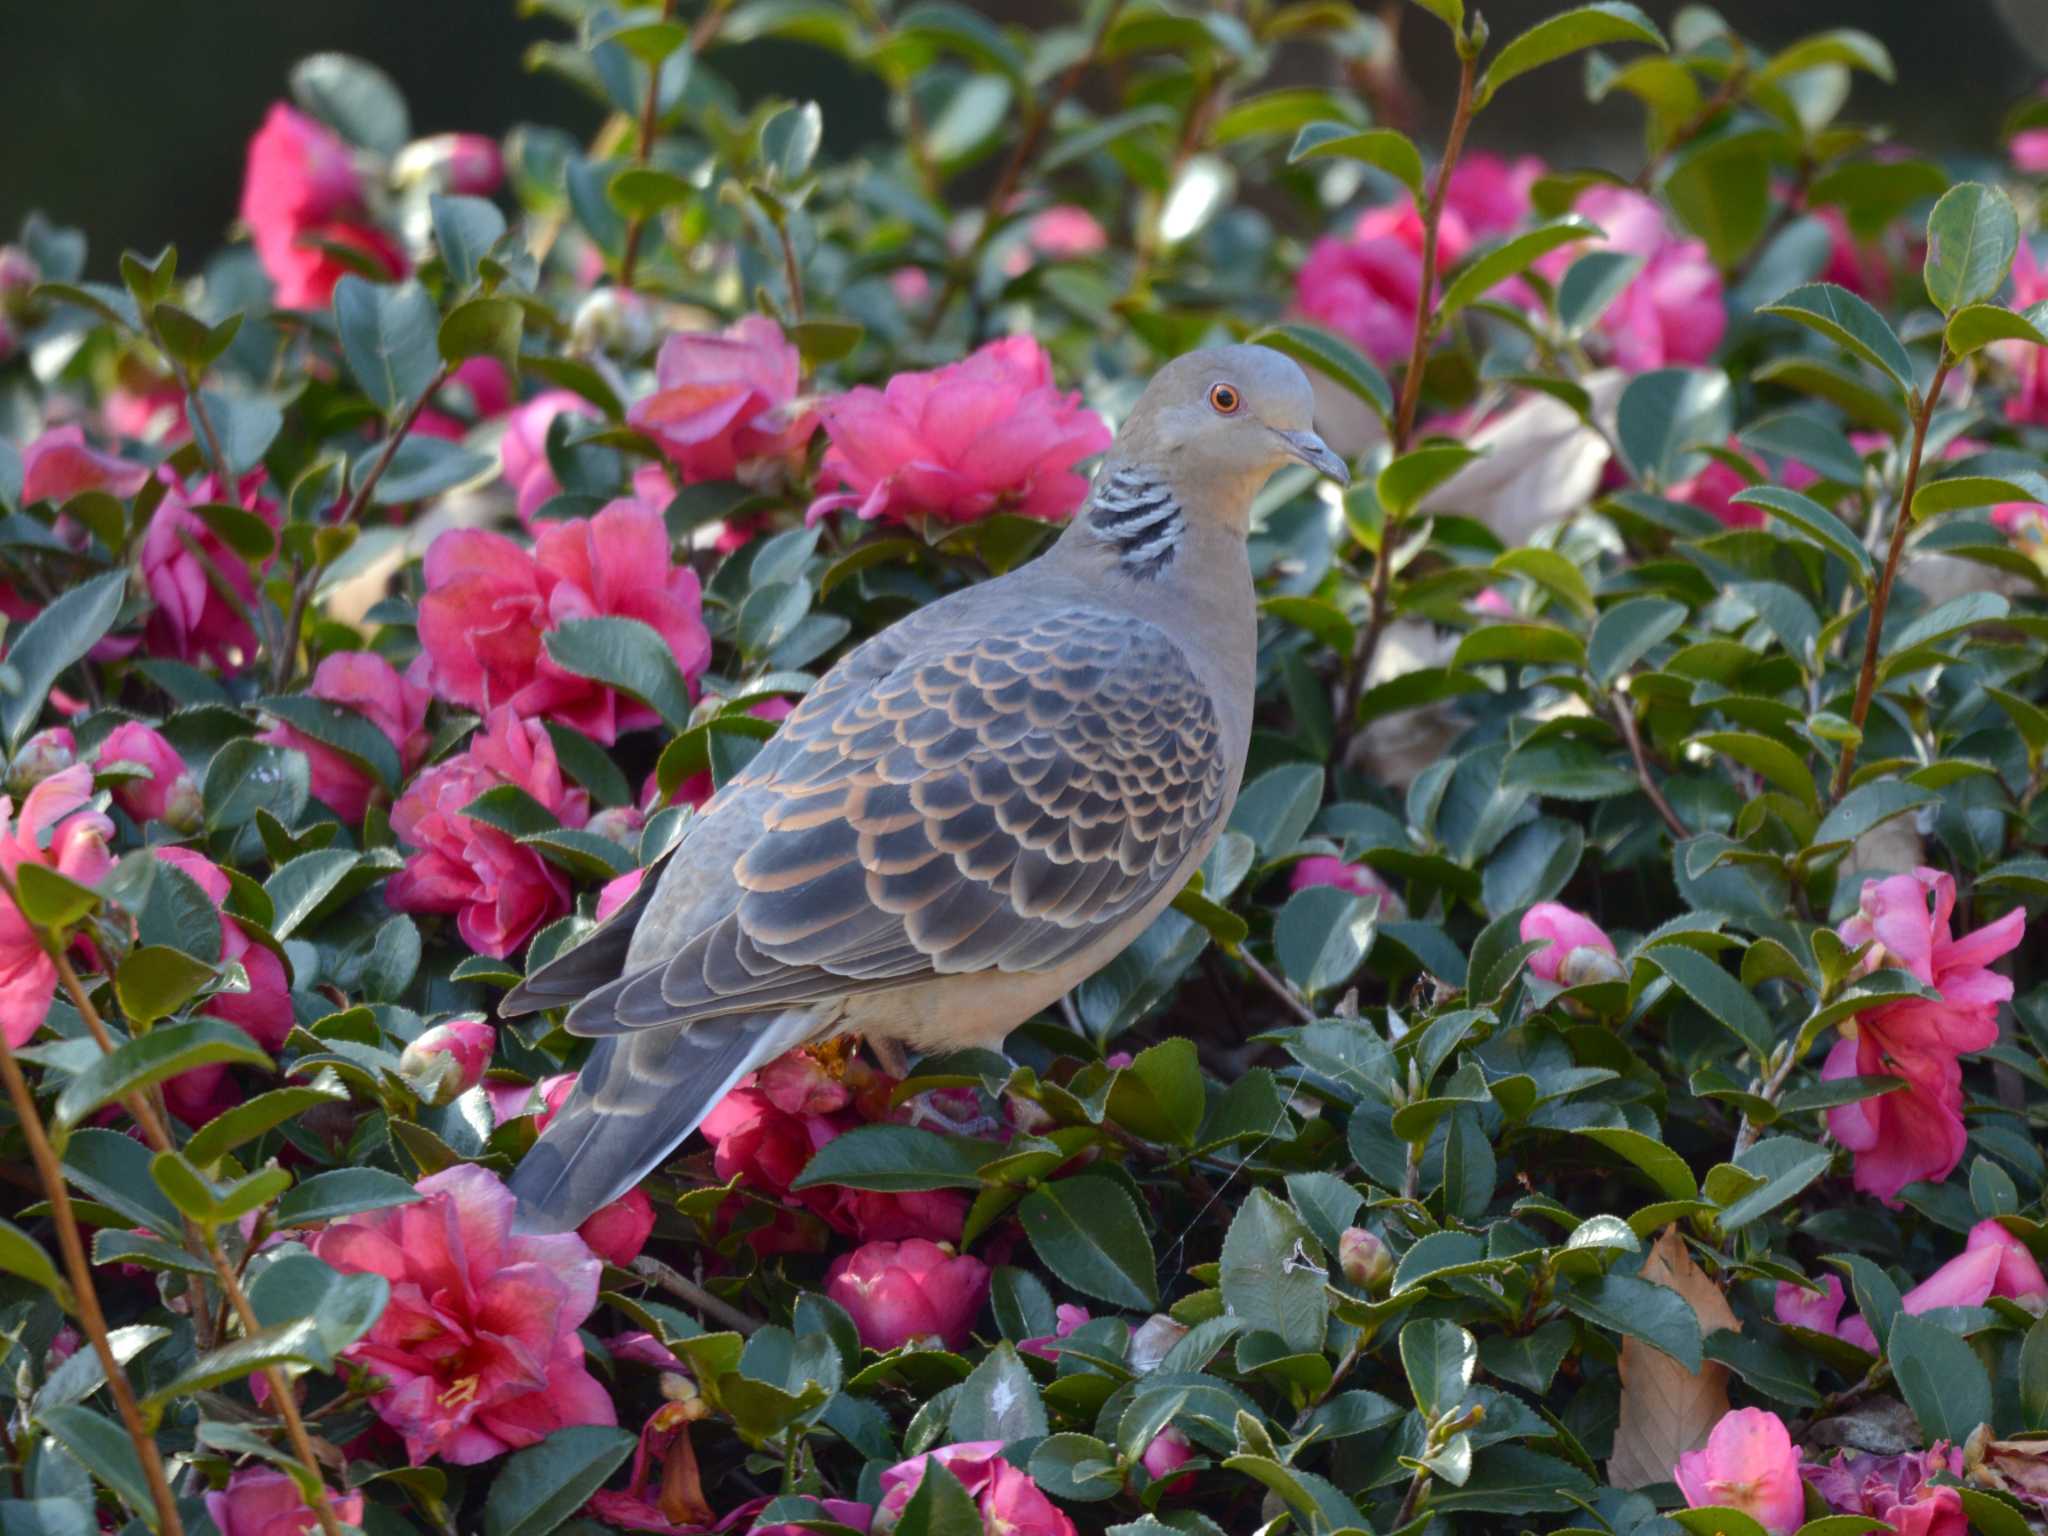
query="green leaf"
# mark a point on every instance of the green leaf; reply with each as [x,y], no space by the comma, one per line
[1381,148]
[293,1343]
[1407,480]
[1087,1232]
[483,328]
[1273,1273]
[1972,236]
[1666,415]
[114,1170]
[1323,935]
[625,654]
[1313,347]
[1787,1165]
[1524,644]
[1849,321]
[1724,998]
[940,1506]
[164,1052]
[1568,32]
[1940,1377]
[246,776]
[342,1192]
[252,1117]
[1958,492]
[22,1255]
[348,731]
[1590,284]
[1664,1167]
[41,649]
[1626,633]
[1450,12]
[898,1159]
[299,886]
[1816,522]
[105,1449]
[1978,325]
[387,336]
[465,229]
[538,1489]
[1768,756]
[1656,1314]
[643,191]
[1160,1094]
[355,98]
[1438,1358]
[51,900]
[1843,46]
[998,1400]
[343,1308]
[1510,258]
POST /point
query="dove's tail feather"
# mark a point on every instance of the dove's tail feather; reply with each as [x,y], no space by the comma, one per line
[576,973]
[638,1096]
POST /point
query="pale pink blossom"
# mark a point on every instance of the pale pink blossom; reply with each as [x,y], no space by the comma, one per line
[262,1501]
[60,464]
[1671,313]
[449,1059]
[523,450]
[1748,1463]
[1565,933]
[726,404]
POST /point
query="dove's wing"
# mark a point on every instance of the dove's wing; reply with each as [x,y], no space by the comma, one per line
[994,796]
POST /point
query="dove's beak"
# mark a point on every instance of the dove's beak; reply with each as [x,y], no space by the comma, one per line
[1316,454]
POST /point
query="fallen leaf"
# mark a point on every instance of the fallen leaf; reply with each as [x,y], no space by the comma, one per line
[2017,1467]
[1667,1410]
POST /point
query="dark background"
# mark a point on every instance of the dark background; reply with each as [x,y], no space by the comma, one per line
[130,119]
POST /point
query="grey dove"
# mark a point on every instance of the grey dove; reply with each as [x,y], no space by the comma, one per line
[970,813]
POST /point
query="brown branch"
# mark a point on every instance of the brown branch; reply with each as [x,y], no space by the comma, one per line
[1625,719]
[1880,600]
[650,123]
[1276,986]
[1360,664]
[653,1270]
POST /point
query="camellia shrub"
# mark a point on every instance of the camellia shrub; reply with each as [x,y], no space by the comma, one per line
[1597,1080]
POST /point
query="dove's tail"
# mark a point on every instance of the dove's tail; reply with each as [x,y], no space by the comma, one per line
[638,1096]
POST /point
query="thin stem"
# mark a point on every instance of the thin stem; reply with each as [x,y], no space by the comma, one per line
[1411,1501]
[1625,719]
[792,273]
[259,631]
[653,1270]
[1746,1133]
[650,123]
[1277,987]
[1028,145]
[85,1299]
[1360,665]
[1880,600]
[190,386]
[1724,97]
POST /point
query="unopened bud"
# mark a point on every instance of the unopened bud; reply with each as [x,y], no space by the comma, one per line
[612,320]
[184,808]
[685,1402]
[452,162]
[1152,1340]
[43,754]
[448,1060]
[1364,1259]
[620,823]
[1586,965]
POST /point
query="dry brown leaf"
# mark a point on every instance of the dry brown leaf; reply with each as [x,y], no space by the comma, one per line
[1667,1410]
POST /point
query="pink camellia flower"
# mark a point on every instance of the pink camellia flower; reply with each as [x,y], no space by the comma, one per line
[523,450]
[449,1059]
[47,752]
[467,163]
[478,1342]
[489,603]
[843,1511]
[301,191]
[1671,312]
[368,685]
[60,464]
[1964,1281]
[1857,265]
[57,832]
[192,621]
[1917,1132]
[617,1232]
[499,890]
[913,1290]
[1748,1463]
[991,433]
[1797,1307]
[1895,1489]
[262,1501]
[616,892]
[1066,1318]
[1167,1452]
[168,794]
[725,404]
[1358,879]
[2029,149]
[549,1095]
[1011,1504]
[2028,401]
[1570,936]
[1059,233]
[2019,1275]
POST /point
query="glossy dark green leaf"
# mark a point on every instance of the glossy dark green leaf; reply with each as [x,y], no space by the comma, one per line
[1088,1233]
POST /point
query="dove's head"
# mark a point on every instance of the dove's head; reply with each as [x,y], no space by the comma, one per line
[1227,417]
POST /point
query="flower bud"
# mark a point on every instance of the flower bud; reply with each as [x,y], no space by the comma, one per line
[448,1060]
[1151,1341]
[43,754]
[620,823]
[184,808]
[617,1232]
[1364,1259]
[468,163]
[1586,965]
[612,320]
[1166,1455]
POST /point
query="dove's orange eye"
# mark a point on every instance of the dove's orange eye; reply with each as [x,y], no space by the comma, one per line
[1225,399]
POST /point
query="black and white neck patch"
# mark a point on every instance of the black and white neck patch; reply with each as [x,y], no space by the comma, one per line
[1139,515]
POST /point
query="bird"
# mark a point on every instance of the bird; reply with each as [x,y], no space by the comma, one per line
[971,812]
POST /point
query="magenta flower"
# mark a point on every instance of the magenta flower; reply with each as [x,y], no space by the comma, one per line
[523,450]
[1797,1307]
[991,433]
[262,1501]
[489,603]
[1358,879]
[1009,1501]
[1895,1489]
[897,1293]
[192,621]
[1967,1280]
[60,464]
[1066,1317]
[1570,937]
[57,832]
[617,1232]
[1748,1463]
[167,793]
[725,405]
[449,1059]
[1671,313]
[2028,401]
[478,1342]
[499,889]
[371,686]
[1917,1133]
[616,892]
[2019,1275]
[301,190]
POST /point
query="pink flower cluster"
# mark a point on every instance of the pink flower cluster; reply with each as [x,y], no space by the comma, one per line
[1917,1132]
[478,1344]
[1993,1263]
[1749,1464]
[184,564]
